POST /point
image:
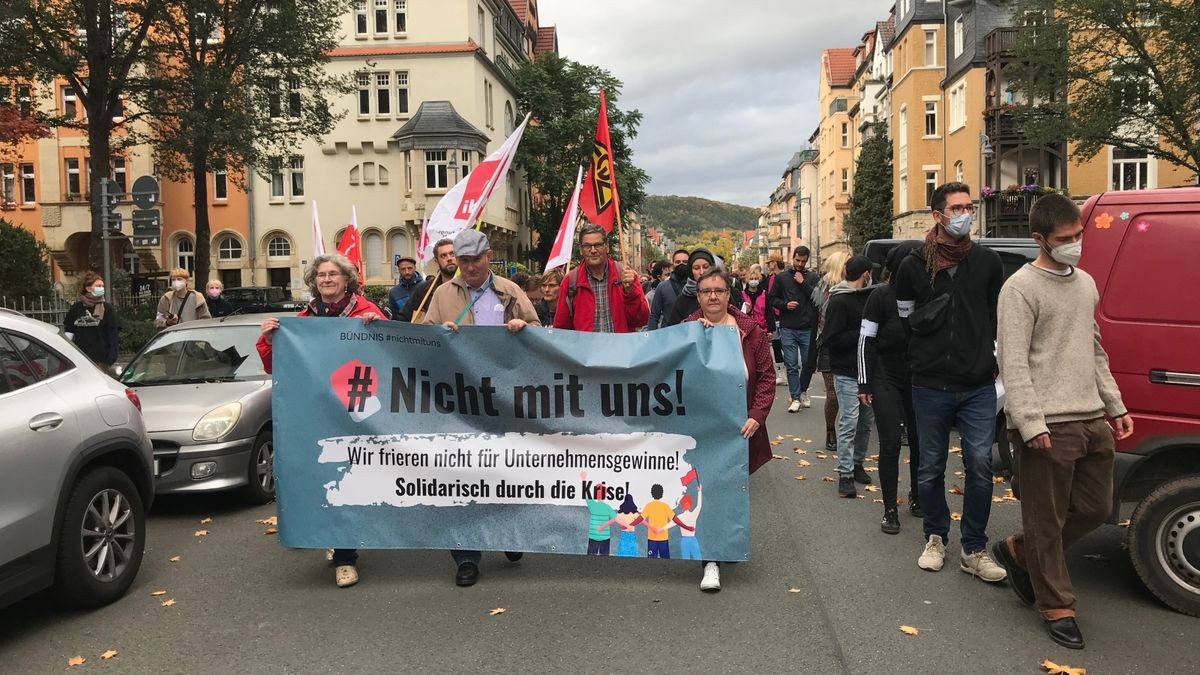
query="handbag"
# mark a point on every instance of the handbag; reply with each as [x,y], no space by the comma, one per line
[929,317]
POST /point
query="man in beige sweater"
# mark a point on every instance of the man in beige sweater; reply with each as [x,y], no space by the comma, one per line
[1059,390]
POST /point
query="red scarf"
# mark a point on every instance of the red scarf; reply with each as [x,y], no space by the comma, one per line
[943,251]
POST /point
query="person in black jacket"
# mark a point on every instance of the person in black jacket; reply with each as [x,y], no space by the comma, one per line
[792,295]
[885,385]
[218,306]
[92,324]
[698,262]
[947,292]
[418,302]
[839,335]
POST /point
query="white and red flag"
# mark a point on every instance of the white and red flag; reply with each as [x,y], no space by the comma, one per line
[565,241]
[318,244]
[350,246]
[461,206]
[423,242]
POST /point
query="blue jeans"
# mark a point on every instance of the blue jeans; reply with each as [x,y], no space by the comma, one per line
[853,425]
[974,413]
[795,343]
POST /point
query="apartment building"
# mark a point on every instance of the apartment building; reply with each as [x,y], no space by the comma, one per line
[835,145]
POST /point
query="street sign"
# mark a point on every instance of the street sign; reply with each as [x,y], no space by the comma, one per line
[147,227]
[145,192]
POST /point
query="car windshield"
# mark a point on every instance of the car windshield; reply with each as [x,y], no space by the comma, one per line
[210,354]
[245,294]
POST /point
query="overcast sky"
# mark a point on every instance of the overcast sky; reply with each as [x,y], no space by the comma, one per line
[728,90]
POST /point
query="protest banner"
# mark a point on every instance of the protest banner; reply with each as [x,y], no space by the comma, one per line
[392,435]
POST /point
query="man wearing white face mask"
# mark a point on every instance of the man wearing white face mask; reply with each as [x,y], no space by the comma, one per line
[1059,390]
[179,303]
[946,293]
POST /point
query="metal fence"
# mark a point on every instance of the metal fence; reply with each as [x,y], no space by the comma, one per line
[52,310]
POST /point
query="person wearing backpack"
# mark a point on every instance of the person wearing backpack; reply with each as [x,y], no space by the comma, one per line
[602,295]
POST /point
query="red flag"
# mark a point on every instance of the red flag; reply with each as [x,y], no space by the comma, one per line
[599,199]
[423,242]
[350,246]
[688,477]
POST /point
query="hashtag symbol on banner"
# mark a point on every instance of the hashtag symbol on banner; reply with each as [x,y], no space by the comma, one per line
[360,389]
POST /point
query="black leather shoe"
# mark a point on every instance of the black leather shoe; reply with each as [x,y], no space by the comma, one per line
[468,574]
[1018,577]
[860,475]
[1066,632]
[513,556]
[891,521]
[830,446]
[846,487]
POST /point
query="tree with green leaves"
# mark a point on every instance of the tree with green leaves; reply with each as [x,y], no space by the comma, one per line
[238,84]
[1124,73]
[25,272]
[870,215]
[564,97]
[98,47]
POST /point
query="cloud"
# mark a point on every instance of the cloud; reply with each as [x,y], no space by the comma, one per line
[728,90]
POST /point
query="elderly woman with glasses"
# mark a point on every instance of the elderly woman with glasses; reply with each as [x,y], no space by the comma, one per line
[713,289]
[334,283]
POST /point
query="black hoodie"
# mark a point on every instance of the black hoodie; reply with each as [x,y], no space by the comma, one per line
[839,334]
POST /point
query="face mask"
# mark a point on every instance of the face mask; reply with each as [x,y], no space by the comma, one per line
[214,293]
[1067,254]
[753,283]
[98,291]
[959,226]
[179,284]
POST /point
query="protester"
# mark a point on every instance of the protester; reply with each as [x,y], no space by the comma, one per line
[409,279]
[333,281]
[754,301]
[531,284]
[839,335]
[601,296]
[443,254]
[551,282]
[92,323]
[699,262]
[477,297]
[669,289]
[774,265]
[885,385]
[947,293]
[1059,388]
[180,304]
[791,295]
[713,289]
[218,306]
[658,273]
[835,273]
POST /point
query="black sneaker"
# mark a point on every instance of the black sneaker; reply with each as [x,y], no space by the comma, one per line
[846,487]
[860,475]
[830,446]
[891,521]
[1018,577]
[914,506]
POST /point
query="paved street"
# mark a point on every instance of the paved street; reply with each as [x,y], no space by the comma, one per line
[243,604]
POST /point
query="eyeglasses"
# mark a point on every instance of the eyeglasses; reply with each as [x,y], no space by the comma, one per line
[959,209]
[713,291]
[328,275]
[592,247]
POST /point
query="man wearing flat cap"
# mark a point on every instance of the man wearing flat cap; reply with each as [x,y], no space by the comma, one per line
[409,279]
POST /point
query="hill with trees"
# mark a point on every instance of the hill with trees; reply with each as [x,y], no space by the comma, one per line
[687,217]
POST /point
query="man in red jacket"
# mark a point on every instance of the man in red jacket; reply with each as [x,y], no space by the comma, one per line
[600,296]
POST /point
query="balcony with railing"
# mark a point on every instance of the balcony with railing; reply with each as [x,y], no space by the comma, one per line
[1000,42]
[1008,214]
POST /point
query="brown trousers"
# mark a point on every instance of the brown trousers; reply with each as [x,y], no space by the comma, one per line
[1066,492]
[831,409]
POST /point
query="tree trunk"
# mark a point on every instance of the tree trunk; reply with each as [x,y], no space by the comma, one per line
[199,161]
[99,135]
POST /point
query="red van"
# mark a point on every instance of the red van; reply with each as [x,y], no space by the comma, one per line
[1143,248]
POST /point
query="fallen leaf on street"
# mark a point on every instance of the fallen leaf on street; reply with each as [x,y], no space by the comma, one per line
[798,451]
[996,480]
[778,457]
[871,469]
[804,462]
[498,610]
[270,530]
[175,558]
[158,593]
[268,521]
[828,479]
[956,450]
[873,458]
[794,590]
[1123,523]
[205,521]
[1098,557]
[108,654]
[168,602]
[75,661]
[821,455]
[201,533]
[1054,669]
[906,460]
[876,501]
[959,474]
[997,500]
[909,630]
[801,477]
[774,442]
[872,488]
[859,497]
[956,490]
[899,500]
[955,515]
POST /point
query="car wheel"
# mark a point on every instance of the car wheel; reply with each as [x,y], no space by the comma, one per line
[260,474]
[102,538]
[1164,542]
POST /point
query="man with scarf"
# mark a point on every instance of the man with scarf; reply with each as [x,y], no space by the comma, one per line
[947,293]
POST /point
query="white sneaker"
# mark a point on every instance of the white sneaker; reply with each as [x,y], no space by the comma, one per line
[805,401]
[934,554]
[345,576]
[979,564]
[780,380]
[794,407]
[711,583]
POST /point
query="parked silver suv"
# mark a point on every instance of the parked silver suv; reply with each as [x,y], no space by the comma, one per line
[75,471]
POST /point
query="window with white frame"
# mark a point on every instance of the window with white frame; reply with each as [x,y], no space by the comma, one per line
[360,17]
[408,184]
[958,36]
[28,184]
[931,183]
[514,193]
[185,254]
[1130,169]
[845,134]
[8,191]
[958,106]
[381,16]
[435,170]
[930,48]
[274,99]
[399,244]
[464,163]
[296,166]
[401,15]
[845,181]
[509,121]
[220,184]
[279,246]
[364,94]
[958,171]
[481,17]
[276,172]
[72,166]
[120,175]
[372,254]
[931,125]
[229,248]
[489,111]
[25,99]
[401,92]
[70,102]
[903,193]
[293,85]
[383,94]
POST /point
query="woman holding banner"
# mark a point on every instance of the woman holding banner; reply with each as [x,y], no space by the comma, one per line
[333,281]
[713,288]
